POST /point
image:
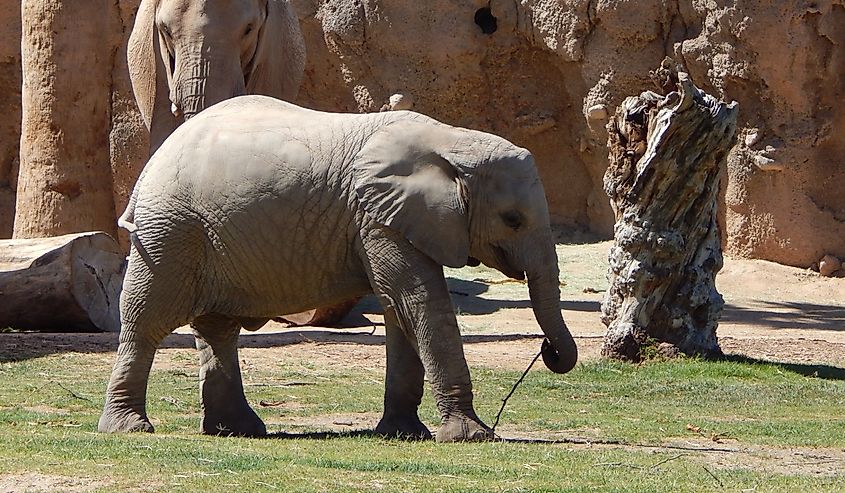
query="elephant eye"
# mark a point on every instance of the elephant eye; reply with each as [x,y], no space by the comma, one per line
[512,219]
[248,30]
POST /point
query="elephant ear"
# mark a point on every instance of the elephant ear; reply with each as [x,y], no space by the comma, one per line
[406,178]
[148,75]
[279,61]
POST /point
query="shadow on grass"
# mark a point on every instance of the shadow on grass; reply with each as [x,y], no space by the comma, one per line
[366,433]
[326,435]
[786,315]
[825,372]
[613,442]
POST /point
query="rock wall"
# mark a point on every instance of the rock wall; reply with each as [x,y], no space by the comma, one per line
[82,141]
[10,110]
[546,74]
[785,63]
[129,141]
[64,182]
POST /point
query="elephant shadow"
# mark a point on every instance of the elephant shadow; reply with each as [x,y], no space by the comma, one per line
[466,299]
[367,433]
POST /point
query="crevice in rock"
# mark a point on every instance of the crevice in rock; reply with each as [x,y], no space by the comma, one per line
[485,19]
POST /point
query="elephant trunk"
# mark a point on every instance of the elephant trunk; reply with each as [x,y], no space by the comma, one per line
[203,81]
[558,349]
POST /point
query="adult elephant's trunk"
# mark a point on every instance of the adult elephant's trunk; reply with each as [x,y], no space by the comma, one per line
[201,81]
[559,350]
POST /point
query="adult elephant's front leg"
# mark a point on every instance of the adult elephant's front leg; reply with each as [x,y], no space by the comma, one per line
[403,386]
[413,285]
[224,406]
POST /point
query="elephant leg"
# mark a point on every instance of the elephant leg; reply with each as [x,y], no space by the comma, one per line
[403,385]
[148,313]
[413,285]
[125,406]
[224,406]
[441,350]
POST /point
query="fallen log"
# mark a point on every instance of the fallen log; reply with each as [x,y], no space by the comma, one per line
[68,283]
[327,316]
[667,155]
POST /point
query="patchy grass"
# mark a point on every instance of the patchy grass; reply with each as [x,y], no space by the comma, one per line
[49,407]
[581,268]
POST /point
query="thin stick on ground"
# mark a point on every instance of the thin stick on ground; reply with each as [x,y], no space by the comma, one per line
[658,464]
[505,400]
[72,393]
[714,477]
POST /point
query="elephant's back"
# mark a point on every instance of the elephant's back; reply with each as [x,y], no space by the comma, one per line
[249,148]
[253,192]
[254,111]
[254,106]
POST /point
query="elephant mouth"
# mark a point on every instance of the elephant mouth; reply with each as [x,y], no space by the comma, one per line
[505,267]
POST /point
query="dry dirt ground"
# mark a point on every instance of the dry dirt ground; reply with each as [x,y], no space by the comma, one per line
[772,312]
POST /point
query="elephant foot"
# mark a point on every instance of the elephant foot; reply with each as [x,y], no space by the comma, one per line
[244,423]
[404,427]
[464,429]
[112,421]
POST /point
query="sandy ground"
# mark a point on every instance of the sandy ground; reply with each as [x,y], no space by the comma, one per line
[772,312]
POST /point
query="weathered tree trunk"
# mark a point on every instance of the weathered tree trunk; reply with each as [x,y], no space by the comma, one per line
[65,182]
[666,160]
[65,283]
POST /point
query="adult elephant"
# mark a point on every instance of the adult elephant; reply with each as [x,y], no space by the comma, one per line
[256,190]
[186,55]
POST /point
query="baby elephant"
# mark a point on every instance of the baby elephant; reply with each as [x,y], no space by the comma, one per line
[258,207]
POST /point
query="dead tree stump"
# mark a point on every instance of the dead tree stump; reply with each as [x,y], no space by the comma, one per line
[667,156]
[67,283]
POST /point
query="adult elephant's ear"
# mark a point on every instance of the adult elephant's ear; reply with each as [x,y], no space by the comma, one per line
[404,179]
[277,64]
[143,55]
[149,64]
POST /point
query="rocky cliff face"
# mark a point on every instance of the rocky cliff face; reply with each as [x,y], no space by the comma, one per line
[785,63]
[547,73]
[10,110]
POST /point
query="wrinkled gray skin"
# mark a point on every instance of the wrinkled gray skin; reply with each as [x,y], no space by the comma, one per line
[186,55]
[255,190]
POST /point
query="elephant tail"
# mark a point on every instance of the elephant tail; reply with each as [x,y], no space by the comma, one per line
[125,219]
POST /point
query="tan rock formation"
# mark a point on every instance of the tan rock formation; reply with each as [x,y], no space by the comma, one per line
[65,183]
[10,110]
[828,265]
[546,74]
[784,62]
[128,137]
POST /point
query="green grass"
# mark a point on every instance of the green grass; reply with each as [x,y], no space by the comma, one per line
[49,407]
